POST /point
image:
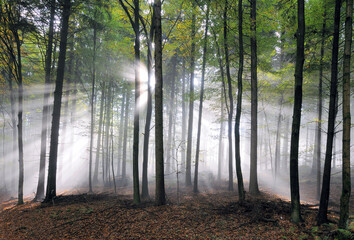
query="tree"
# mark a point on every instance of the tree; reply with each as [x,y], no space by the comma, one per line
[322,213]
[135,25]
[195,186]
[191,102]
[160,181]
[45,115]
[253,188]
[295,129]
[53,152]
[241,191]
[229,83]
[346,185]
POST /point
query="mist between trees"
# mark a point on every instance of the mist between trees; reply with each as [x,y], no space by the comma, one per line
[100,95]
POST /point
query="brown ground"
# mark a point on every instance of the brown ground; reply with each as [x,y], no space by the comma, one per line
[215,215]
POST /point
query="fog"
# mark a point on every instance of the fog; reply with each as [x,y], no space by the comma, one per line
[73,156]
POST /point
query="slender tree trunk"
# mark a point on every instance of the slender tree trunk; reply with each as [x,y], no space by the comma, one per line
[184,116]
[322,213]
[241,189]
[346,186]
[171,114]
[277,141]
[136,110]
[45,111]
[221,136]
[121,125]
[295,131]
[13,124]
[20,122]
[253,188]
[160,181]
[98,148]
[191,103]
[318,136]
[92,106]
[125,136]
[145,183]
[286,146]
[228,75]
[195,186]
[108,125]
[53,153]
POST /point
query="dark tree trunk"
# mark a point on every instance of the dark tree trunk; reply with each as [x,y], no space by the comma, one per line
[228,75]
[20,122]
[137,99]
[295,131]
[253,188]
[322,213]
[160,181]
[191,104]
[346,186]
[241,189]
[195,186]
[145,182]
[45,111]
[53,153]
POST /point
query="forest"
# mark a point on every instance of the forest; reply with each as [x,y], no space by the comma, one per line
[176,119]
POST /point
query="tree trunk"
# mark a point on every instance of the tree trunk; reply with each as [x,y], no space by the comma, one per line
[136,109]
[121,125]
[241,189]
[145,182]
[184,116]
[322,213]
[125,136]
[45,111]
[318,136]
[295,131]
[221,135]
[20,122]
[228,75]
[107,130]
[191,103]
[92,105]
[346,186]
[98,148]
[253,188]
[171,114]
[195,187]
[277,142]
[160,181]
[53,153]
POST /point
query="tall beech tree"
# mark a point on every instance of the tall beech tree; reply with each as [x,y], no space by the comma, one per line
[253,186]
[58,92]
[201,98]
[241,189]
[231,101]
[295,129]
[160,179]
[346,185]
[191,101]
[322,213]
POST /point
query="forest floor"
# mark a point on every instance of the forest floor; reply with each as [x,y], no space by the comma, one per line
[212,214]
